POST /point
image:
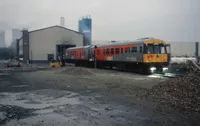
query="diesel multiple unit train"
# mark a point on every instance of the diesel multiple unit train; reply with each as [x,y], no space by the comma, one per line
[146,54]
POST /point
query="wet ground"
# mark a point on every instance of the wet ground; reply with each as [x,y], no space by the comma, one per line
[82,97]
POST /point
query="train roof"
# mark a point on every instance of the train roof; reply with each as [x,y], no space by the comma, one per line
[78,47]
[142,40]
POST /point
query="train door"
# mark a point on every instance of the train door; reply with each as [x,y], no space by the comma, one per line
[86,52]
[91,53]
[168,51]
[140,53]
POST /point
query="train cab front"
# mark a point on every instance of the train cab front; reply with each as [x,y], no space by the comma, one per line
[156,57]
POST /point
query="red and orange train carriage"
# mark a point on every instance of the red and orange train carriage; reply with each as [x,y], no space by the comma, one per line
[147,55]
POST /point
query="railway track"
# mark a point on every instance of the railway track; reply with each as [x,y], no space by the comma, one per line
[158,74]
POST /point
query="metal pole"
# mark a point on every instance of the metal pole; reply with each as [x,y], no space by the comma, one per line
[95,61]
[197,49]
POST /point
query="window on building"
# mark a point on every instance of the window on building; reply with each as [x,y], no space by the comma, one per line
[107,51]
[112,51]
[117,51]
[134,49]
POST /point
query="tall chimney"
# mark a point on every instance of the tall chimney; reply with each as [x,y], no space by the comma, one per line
[62,21]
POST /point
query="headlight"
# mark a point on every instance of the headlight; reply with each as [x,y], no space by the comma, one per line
[165,69]
[153,69]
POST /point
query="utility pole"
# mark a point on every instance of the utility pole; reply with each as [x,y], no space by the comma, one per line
[95,62]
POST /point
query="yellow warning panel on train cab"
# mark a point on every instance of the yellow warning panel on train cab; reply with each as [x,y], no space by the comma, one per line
[155,58]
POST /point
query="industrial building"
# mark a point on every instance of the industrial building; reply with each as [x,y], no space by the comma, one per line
[85,27]
[47,43]
[11,35]
[182,49]
[2,39]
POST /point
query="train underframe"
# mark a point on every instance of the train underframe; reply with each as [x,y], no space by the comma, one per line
[144,68]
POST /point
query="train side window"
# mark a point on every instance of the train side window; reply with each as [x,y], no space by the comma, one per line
[107,51]
[134,49]
[112,51]
[126,50]
[140,49]
[104,51]
[117,51]
[129,50]
[122,51]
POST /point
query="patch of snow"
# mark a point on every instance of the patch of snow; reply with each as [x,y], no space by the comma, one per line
[33,100]
[182,59]
[155,76]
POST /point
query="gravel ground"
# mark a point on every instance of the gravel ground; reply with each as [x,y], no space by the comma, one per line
[83,96]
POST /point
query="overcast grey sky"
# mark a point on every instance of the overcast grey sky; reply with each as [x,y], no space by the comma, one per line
[171,20]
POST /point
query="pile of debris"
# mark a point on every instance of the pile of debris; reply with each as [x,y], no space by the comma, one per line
[182,92]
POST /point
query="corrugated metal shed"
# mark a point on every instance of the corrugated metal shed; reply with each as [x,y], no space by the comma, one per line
[183,48]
